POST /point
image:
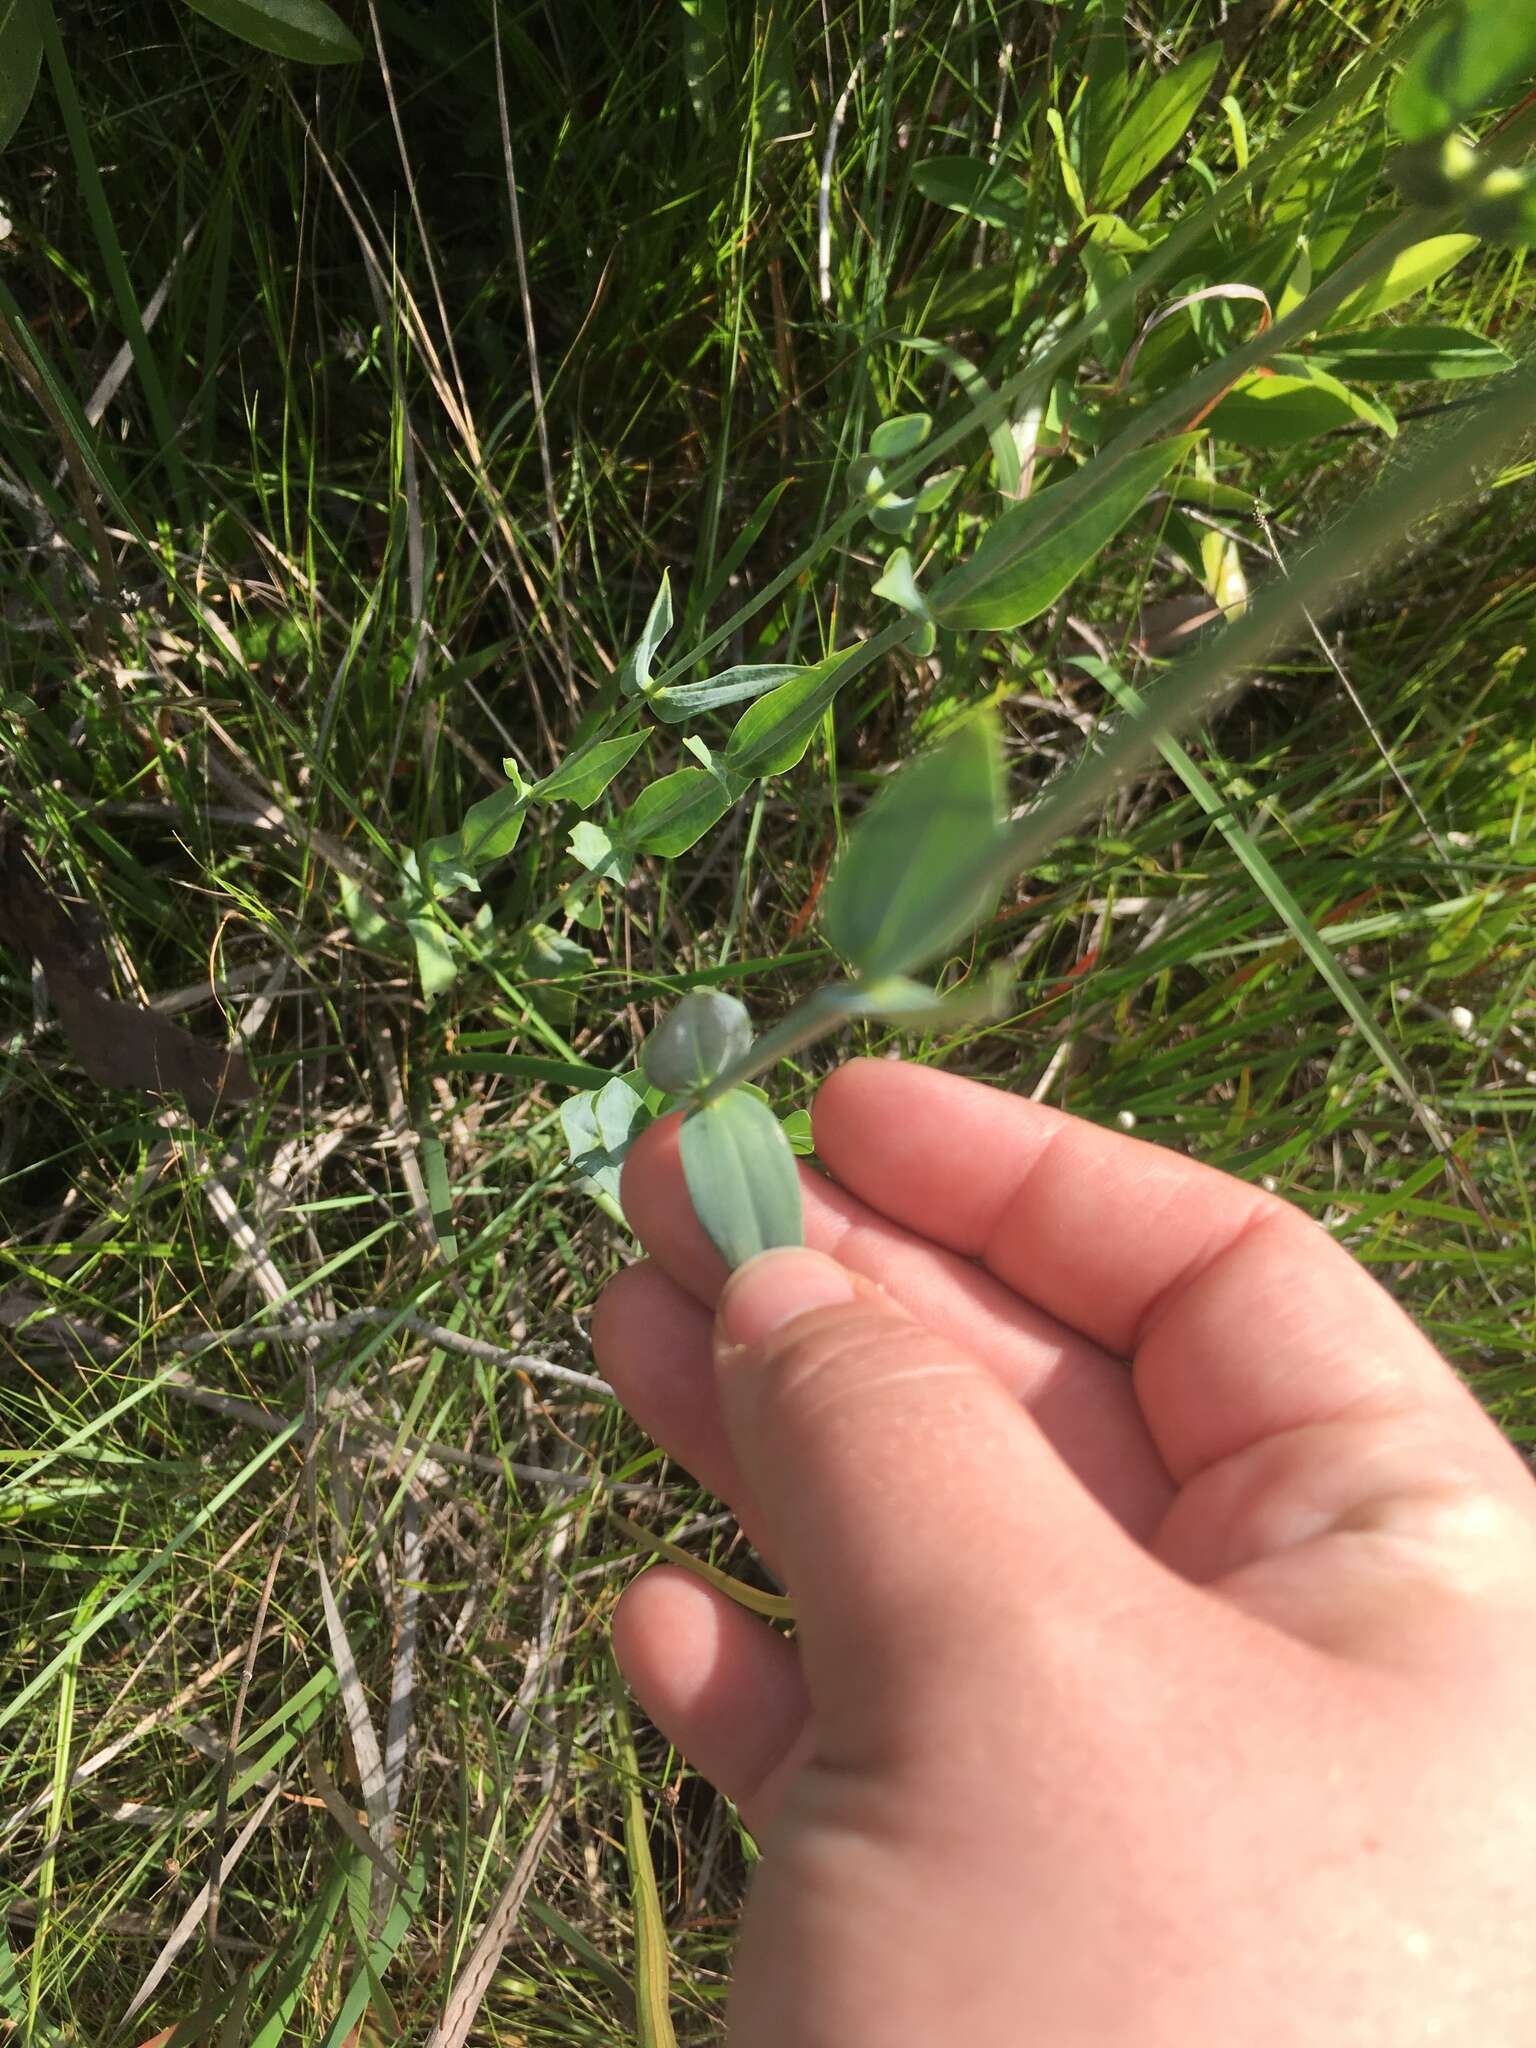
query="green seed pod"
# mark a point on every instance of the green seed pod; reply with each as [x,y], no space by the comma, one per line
[695,1043]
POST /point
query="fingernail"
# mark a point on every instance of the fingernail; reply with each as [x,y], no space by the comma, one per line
[774,1288]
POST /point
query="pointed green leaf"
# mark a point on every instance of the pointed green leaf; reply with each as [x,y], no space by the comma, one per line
[797,1130]
[600,1124]
[899,585]
[1072,184]
[676,812]
[635,668]
[967,185]
[551,956]
[435,961]
[1157,123]
[741,1177]
[1409,274]
[1280,412]
[21,56]
[595,850]
[1100,107]
[706,55]
[1029,556]
[491,827]
[916,1007]
[770,738]
[368,924]
[895,438]
[582,777]
[1474,57]
[680,701]
[918,871]
[489,832]
[696,1042]
[306,30]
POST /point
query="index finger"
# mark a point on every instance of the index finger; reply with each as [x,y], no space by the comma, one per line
[1241,1317]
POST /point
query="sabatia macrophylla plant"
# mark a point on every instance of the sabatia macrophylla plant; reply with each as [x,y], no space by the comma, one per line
[920,870]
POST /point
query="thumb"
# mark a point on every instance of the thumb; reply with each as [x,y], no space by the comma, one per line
[924,1525]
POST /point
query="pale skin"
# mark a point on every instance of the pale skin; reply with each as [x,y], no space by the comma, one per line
[1165,1666]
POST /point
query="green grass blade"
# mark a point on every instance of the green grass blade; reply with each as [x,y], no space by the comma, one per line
[653,1967]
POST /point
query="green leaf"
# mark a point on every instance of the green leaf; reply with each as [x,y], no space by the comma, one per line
[368,924]
[770,738]
[551,956]
[582,777]
[899,585]
[967,185]
[706,25]
[680,701]
[778,102]
[306,30]
[21,56]
[435,961]
[1100,107]
[549,965]
[1214,496]
[797,1131]
[491,827]
[1279,412]
[490,830]
[600,1124]
[1157,123]
[635,668]
[901,436]
[1404,355]
[916,1007]
[1106,271]
[695,1043]
[595,850]
[675,813]
[741,1177]
[918,869]
[1072,184]
[1484,49]
[1408,275]
[1032,553]
[1005,454]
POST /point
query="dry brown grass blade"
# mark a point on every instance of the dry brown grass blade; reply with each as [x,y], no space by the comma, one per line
[474,1980]
[337,1806]
[365,1743]
[188,1924]
[402,1690]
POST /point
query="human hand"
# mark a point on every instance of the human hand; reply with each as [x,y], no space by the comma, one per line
[1184,1704]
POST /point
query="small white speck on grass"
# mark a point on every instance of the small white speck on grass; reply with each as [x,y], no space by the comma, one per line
[1461,1019]
[1126,1119]
[1269,1184]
